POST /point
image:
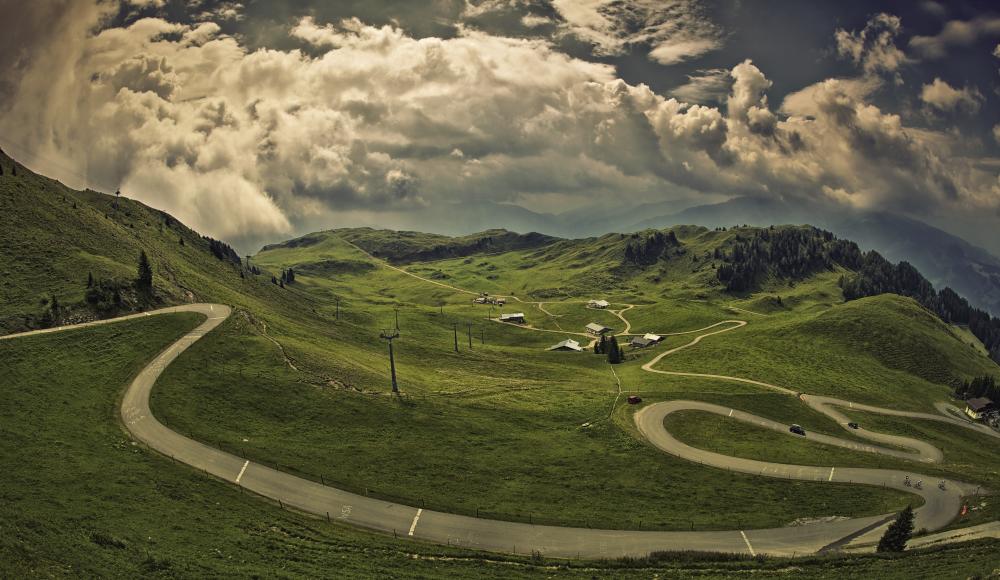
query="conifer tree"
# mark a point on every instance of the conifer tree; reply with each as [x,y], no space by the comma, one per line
[614,351]
[601,346]
[898,533]
[144,273]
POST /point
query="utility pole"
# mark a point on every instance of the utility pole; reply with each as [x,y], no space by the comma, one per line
[396,310]
[454,326]
[470,335]
[389,336]
[484,335]
[338,308]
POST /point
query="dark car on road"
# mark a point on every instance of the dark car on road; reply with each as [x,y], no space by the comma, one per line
[853,425]
[634,399]
[798,430]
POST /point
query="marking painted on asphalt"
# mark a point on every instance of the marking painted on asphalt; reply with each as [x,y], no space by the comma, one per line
[831,474]
[747,540]
[240,476]
[416,518]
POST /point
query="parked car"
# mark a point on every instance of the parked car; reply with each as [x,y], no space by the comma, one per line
[797,429]
[634,399]
[853,425]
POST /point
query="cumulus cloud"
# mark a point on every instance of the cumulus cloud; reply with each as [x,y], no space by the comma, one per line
[704,86]
[874,47]
[955,33]
[674,30]
[251,145]
[535,21]
[942,97]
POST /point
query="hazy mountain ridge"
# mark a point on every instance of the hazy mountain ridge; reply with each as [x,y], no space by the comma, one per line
[945,259]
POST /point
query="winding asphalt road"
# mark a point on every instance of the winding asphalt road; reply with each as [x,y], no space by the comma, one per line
[443,528]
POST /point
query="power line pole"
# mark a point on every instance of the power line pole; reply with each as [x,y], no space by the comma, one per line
[454,326]
[470,335]
[396,310]
[484,335]
[338,308]
[389,336]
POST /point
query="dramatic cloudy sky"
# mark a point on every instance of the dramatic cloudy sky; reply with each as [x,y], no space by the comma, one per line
[253,120]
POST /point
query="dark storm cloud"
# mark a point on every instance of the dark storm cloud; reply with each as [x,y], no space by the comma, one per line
[251,119]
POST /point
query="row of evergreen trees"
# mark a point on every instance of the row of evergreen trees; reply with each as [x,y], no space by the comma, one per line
[984,386]
[223,251]
[644,250]
[792,253]
[876,275]
[611,348]
[796,253]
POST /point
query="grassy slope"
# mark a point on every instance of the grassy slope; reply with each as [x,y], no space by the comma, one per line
[55,236]
[72,482]
[296,415]
[967,456]
[880,350]
[455,400]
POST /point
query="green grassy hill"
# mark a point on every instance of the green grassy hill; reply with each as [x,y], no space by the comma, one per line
[55,238]
[501,427]
[79,500]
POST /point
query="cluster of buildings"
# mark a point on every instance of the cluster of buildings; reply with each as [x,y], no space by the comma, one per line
[598,330]
[983,409]
[485,298]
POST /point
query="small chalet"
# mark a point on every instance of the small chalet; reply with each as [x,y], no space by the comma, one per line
[602,304]
[515,317]
[978,408]
[598,329]
[641,342]
[567,345]
[653,337]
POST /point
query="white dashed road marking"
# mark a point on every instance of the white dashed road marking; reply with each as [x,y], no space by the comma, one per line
[240,476]
[416,518]
[831,474]
[749,547]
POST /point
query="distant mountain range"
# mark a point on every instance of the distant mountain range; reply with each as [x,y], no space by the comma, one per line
[946,259]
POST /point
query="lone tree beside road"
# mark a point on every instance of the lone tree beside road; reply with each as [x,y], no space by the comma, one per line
[899,532]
